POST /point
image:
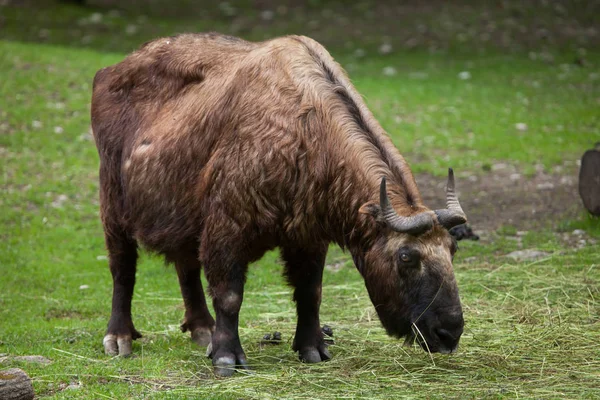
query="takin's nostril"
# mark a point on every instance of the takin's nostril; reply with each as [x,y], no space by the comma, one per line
[445,336]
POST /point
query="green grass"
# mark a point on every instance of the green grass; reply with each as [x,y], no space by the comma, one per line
[532,328]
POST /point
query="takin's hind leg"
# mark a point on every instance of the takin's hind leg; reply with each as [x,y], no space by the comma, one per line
[122,253]
[304,272]
[197,319]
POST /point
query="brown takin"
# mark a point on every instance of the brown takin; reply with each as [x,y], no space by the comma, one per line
[214,150]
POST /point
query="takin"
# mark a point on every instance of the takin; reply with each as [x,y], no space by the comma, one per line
[214,150]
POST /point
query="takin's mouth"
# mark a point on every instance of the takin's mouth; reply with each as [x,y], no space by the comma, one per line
[427,344]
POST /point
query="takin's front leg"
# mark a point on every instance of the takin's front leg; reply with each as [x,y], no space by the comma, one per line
[225,348]
[226,285]
[304,271]
[222,247]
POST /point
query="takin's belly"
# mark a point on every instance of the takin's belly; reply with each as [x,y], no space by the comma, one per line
[163,199]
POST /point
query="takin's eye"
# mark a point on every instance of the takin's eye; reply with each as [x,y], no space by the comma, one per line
[408,257]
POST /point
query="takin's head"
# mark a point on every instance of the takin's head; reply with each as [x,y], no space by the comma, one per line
[408,273]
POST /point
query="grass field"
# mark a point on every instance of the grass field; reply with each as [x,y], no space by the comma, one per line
[532,327]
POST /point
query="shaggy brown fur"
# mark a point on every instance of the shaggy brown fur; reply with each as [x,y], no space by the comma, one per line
[216,149]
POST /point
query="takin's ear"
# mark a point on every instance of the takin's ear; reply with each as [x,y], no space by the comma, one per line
[371,208]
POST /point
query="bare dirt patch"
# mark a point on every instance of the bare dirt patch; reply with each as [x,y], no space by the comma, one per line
[505,197]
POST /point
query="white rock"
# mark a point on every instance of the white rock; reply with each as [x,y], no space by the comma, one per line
[545,186]
[515,177]
[578,232]
[464,75]
[58,130]
[521,126]
[101,258]
[389,71]
[83,287]
[74,386]
[385,48]
[36,124]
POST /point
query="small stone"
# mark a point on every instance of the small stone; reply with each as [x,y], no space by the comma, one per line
[131,29]
[389,71]
[527,255]
[96,18]
[274,338]
[567,181]
[499,166]
[335,267]
[58,130]
[578,232]
[327,335]
[521,126]
[74,386]
[515,177]
[385,48]
[33,359]
[359,53]
[101,258]
[60,201]
[36,124]
[267,15]
[464,75]
[545,186]
[84,287]
[227,9]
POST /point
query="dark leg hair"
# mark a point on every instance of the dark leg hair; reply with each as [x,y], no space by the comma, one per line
[197,320]
[225,348]
[122,253]
[304,272]
[224,259]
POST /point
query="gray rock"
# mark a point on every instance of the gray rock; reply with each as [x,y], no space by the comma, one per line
[32,359]
[545,186]
[527,255]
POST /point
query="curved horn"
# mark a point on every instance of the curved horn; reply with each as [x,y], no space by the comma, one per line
[413,225]
[453,214]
